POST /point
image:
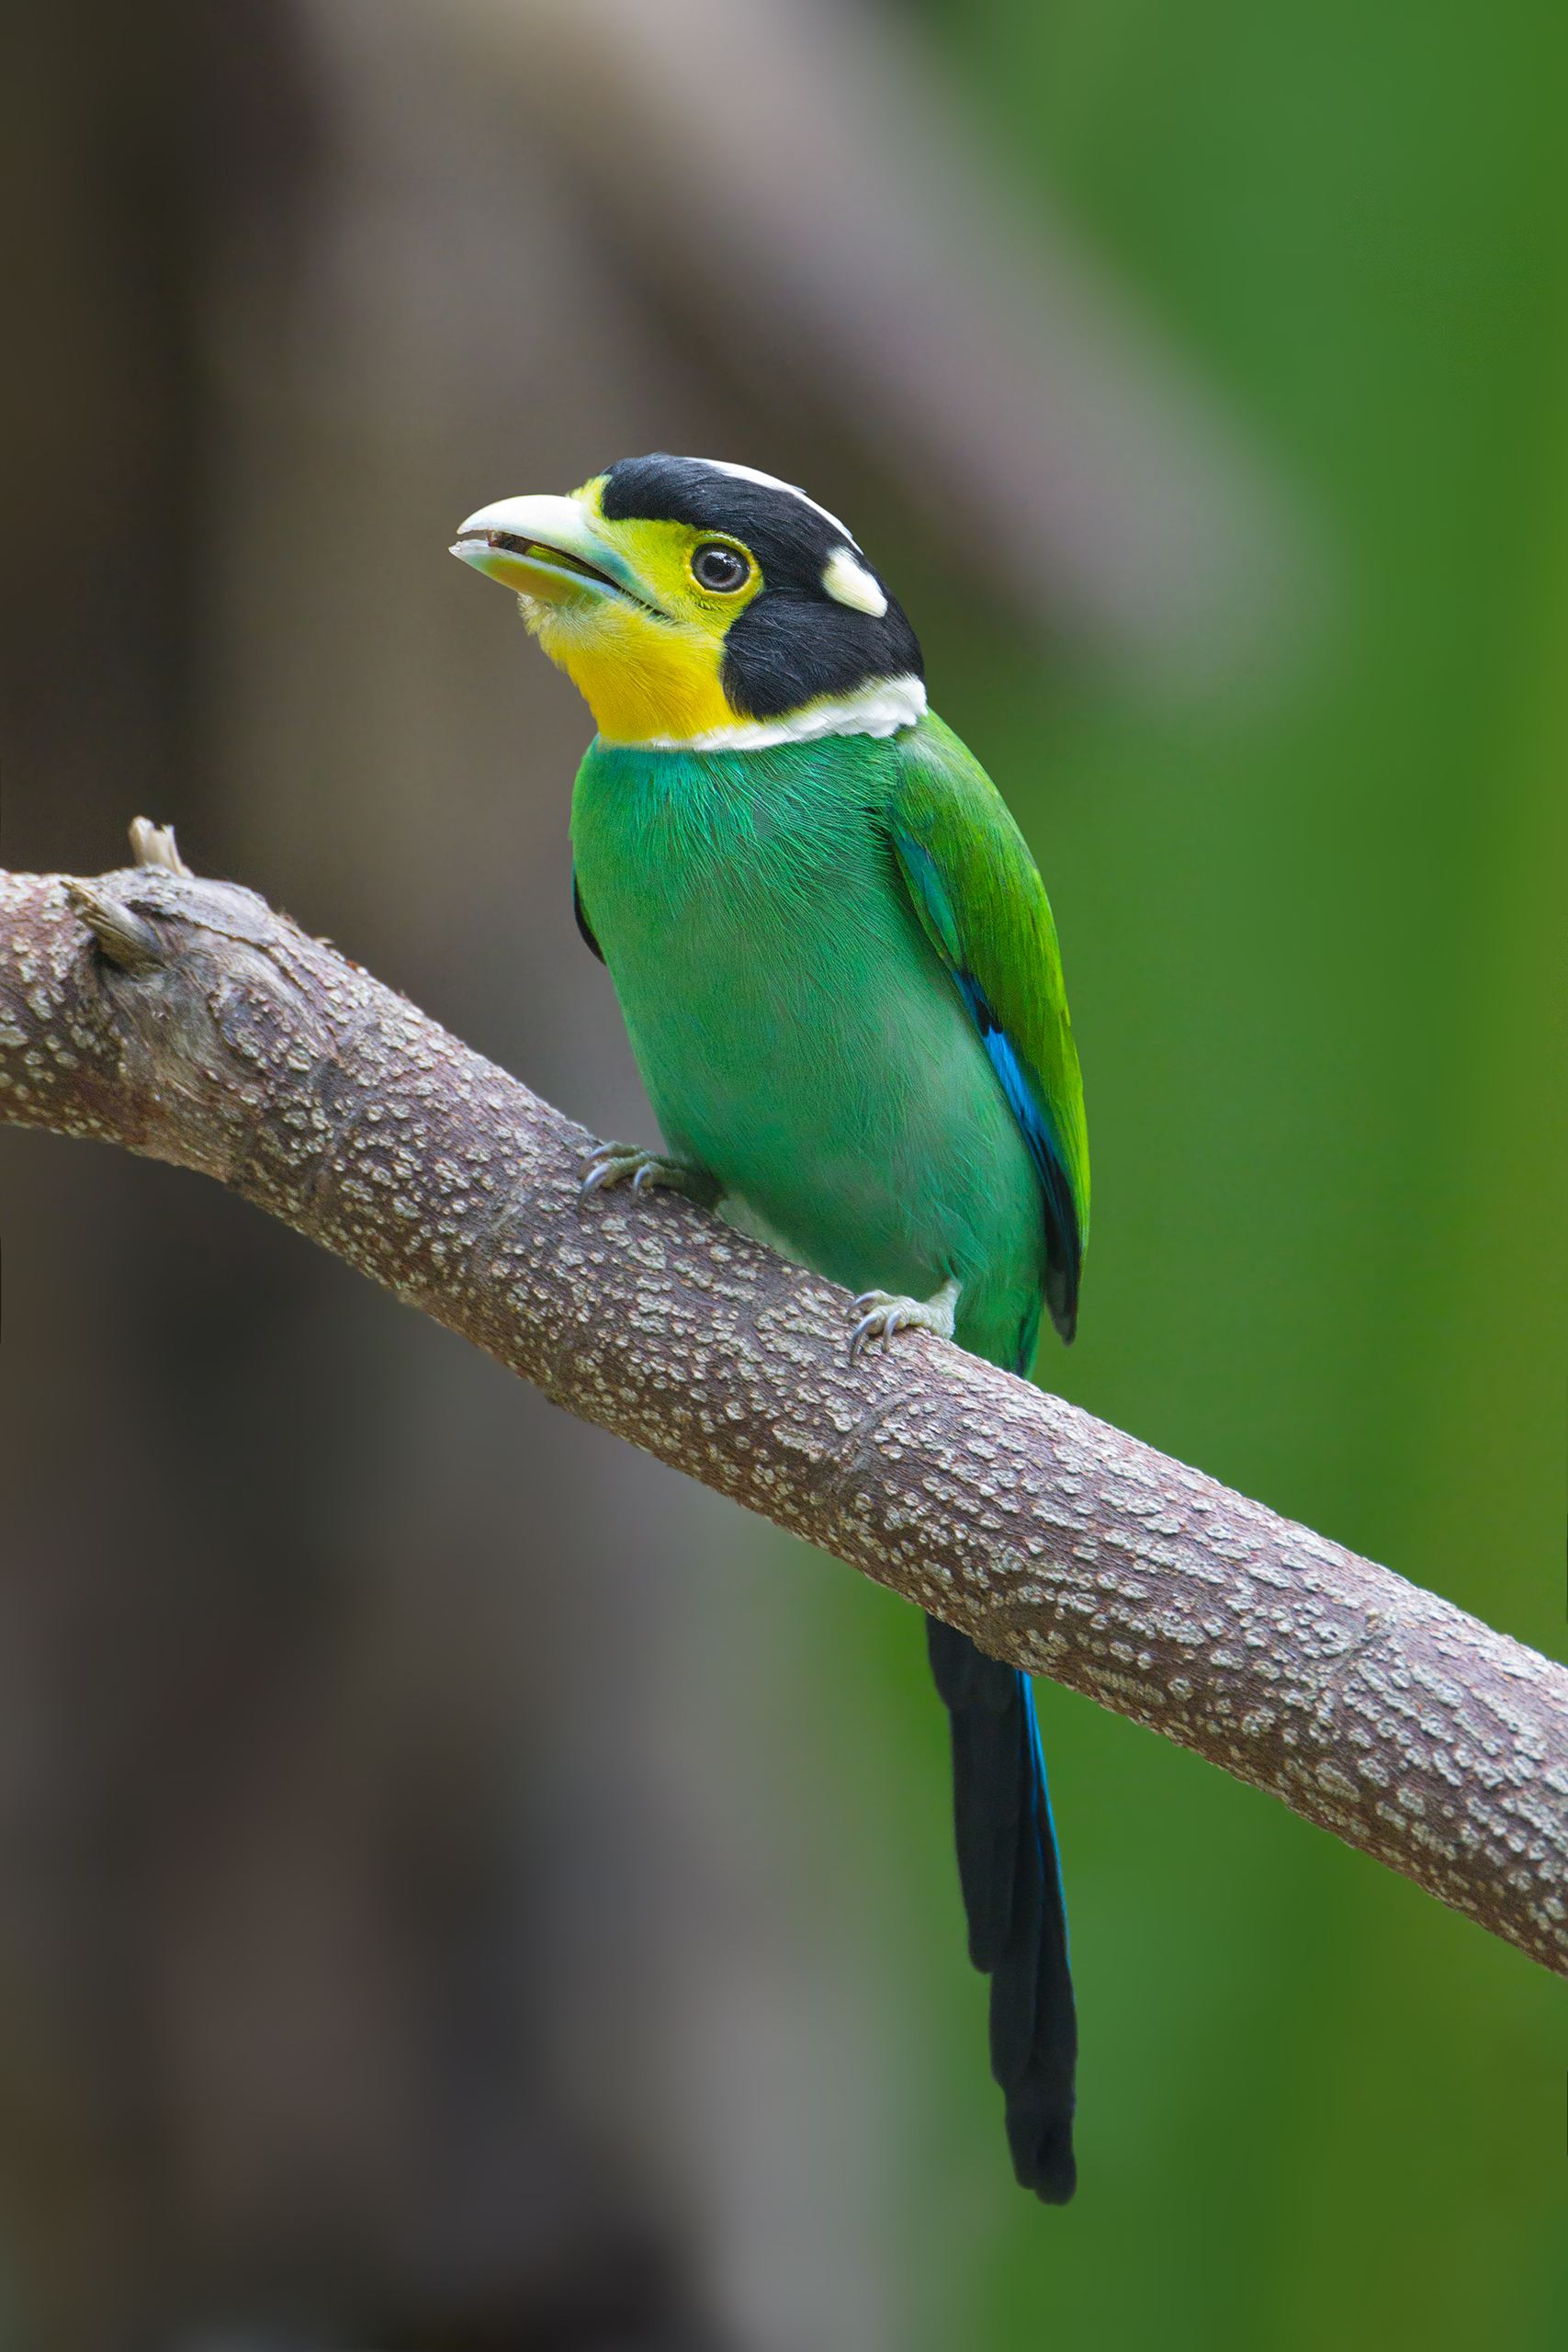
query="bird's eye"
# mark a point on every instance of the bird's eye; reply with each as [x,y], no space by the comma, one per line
[722,568]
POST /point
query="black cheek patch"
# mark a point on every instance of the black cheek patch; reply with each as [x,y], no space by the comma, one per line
[785,650]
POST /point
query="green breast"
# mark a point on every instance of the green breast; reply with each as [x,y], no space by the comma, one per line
[796,1035]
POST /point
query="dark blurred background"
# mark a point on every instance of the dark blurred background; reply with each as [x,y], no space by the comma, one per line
[460,1886]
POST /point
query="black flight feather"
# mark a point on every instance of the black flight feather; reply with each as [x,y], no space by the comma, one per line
[1009,1870]
[584,925]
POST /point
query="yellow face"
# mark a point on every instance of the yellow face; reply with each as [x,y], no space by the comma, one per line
[635,612]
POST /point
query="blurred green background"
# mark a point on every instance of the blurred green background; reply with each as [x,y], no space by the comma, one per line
[457,1887]
[1314,954]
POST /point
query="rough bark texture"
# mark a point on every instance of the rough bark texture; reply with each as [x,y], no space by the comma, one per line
[186,1021]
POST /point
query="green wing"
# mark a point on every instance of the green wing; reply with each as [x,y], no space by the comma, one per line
[980,897]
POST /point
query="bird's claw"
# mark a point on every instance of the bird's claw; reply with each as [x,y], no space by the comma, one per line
[884,1312]
[612,1163]
[886,1315]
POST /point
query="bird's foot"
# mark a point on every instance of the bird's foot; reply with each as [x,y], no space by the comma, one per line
[882,1314]
[612,1163]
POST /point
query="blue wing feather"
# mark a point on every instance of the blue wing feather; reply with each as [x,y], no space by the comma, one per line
[1065,1243]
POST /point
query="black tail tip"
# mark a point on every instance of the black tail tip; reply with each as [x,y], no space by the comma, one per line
[1042,2157]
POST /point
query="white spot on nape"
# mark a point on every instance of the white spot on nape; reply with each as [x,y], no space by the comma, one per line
[772,481]
[848,581]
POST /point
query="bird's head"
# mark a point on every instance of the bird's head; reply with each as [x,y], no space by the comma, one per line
[692,602]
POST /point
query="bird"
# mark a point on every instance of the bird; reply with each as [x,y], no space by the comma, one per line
[839,975]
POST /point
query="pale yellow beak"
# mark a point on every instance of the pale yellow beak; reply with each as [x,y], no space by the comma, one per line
[548,547]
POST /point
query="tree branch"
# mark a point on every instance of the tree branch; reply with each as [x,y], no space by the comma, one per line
[186,1021]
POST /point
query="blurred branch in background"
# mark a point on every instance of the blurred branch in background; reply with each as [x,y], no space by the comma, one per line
[189,1021]
[793,172]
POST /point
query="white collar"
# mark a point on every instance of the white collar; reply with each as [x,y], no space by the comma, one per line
[881,708]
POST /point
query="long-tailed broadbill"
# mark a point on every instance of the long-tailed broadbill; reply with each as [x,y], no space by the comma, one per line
[839,975]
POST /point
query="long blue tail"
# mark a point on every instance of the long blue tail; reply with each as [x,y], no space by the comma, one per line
[1012,1895]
